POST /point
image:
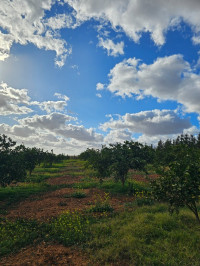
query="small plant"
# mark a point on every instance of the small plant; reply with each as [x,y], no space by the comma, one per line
[17,234]
[143,198]
[78,194]
[70,228]
[102,204]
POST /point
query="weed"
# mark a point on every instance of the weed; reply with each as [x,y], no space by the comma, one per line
[70,228]
[17,234]
[143,198]
[146,236]
[101,204]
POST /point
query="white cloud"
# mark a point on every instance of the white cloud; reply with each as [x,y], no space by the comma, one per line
[13,101]
[99,95]
[112,48]
[50,106]
[196,40]
[168,78]
[150,123]
[23,22]
[57,123]
[100,86]
[60,21]
[137,16]
[61,96]
[51,121]
[118,135]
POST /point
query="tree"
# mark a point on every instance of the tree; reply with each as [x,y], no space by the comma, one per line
[31,156]
[12,165]
[100,161]
[179,184]
[121,164]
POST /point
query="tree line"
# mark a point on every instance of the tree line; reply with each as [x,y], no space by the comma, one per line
[17,161]
[177,162]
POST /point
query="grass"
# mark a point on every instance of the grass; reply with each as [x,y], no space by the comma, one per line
[101,204]
[143,234]
[113,187]
[17,234]
[70,228]
[22,191]
[12,195]
[147,236]
[76,194]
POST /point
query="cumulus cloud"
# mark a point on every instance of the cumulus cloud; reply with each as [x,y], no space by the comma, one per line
[112,48]
[52,121]
[24,22]
[168,78]
[150,123]
[50,106]
[13,101]
[57,123]
[118,135]
[100,86]
[137,16]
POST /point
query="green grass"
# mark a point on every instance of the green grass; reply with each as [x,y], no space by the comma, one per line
[46,170]
[70,228]
[147,236]
[22,191]
[41,177]
[141,235]
[113,187]
[76,194]
[17,234]
[12,195]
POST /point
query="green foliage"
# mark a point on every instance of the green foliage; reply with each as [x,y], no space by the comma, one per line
[10,195]
[78,194]
[143,198]
[14,162]
[117,159]
[102,204]
[179,184]
[11,162]
[17,234]
[99,160]
[70,228]
[146,236]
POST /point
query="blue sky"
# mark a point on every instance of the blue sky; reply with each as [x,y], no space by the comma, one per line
[79,74]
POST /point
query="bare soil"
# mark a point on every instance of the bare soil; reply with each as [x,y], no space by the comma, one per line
[46,206]
[51,204]
[46,254]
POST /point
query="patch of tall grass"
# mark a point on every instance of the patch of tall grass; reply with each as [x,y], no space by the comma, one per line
[17,234]
[147,236]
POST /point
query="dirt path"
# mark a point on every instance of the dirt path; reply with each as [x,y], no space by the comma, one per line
[51,204]
[46,254]
[45,206]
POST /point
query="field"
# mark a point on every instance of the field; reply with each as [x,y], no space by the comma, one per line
[63,215]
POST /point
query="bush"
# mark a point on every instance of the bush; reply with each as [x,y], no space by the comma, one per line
[70,228]
[102,204]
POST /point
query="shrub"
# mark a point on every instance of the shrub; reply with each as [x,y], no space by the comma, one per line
[102,204]
[70,228]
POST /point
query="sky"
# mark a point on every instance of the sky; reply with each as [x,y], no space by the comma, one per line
[78,74]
